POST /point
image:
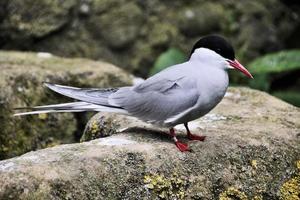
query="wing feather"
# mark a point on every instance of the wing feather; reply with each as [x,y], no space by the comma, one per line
[69,107]
[158,101]
[90,95]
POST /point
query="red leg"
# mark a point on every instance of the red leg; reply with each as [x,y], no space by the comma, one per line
[181,146]
[192,136]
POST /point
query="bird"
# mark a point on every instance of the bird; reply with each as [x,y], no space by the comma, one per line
[176,95]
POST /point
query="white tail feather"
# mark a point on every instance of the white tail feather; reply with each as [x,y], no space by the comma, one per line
[72,107]
[45,111]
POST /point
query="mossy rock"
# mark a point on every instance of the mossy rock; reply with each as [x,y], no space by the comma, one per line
[251,152]
[202,19]
[28,20]
[99,126]
[133,33]
[107,124]
[120,26]
[21,85]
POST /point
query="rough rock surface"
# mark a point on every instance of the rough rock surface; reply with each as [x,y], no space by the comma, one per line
[252,151]
[116,30]
[21,80]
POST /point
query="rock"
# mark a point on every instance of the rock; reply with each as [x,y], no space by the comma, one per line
[28,20]
[21,80]
[258,32]
[119,27]
[202,19]
[251,152]
[107,124]
[132,34]
[100,126]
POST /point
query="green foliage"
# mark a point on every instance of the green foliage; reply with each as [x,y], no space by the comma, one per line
[272,67]
[292,97]
[170,57]
[276,62]
[260,82]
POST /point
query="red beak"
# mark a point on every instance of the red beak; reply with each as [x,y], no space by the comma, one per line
[235,64]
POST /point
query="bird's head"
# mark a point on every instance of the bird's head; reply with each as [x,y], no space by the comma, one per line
[217,47]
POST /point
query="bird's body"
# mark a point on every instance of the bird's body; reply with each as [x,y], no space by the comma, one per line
[176,95]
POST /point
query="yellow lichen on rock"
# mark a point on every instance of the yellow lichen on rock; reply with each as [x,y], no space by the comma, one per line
[43,116]
[232,193]
[94,127]
[298,164]
[166,188]
[257,197]
[290,190]
[254,164]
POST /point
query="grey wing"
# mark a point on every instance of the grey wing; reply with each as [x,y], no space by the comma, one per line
[157,85]
[157,101]
[162,81]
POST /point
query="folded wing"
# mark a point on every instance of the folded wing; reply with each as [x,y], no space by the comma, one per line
[157,100]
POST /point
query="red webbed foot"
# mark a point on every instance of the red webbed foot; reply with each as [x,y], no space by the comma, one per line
[182,146]
[192,136]
[196,137]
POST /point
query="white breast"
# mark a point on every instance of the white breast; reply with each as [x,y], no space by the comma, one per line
[212,83]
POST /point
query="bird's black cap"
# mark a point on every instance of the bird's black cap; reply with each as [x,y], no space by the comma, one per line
[216,43]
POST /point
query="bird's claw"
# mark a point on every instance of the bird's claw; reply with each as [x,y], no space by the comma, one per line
[182,146]
[196,137]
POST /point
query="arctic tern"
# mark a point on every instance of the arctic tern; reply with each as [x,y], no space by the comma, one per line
[176,95]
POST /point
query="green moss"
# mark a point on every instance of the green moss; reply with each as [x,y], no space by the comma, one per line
[161,34]
[99,127]
[201,19]
[44,18]
[21,86]
[77,42]
[120,26]
[112,30]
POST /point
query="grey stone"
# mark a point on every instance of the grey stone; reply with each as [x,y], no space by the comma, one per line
[251,152]
[21,85]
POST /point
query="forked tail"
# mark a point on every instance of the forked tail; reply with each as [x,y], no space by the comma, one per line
[91,99]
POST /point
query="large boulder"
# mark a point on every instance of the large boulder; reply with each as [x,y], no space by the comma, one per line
[28,20]
[21,78]
[252,151]
[116,30]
